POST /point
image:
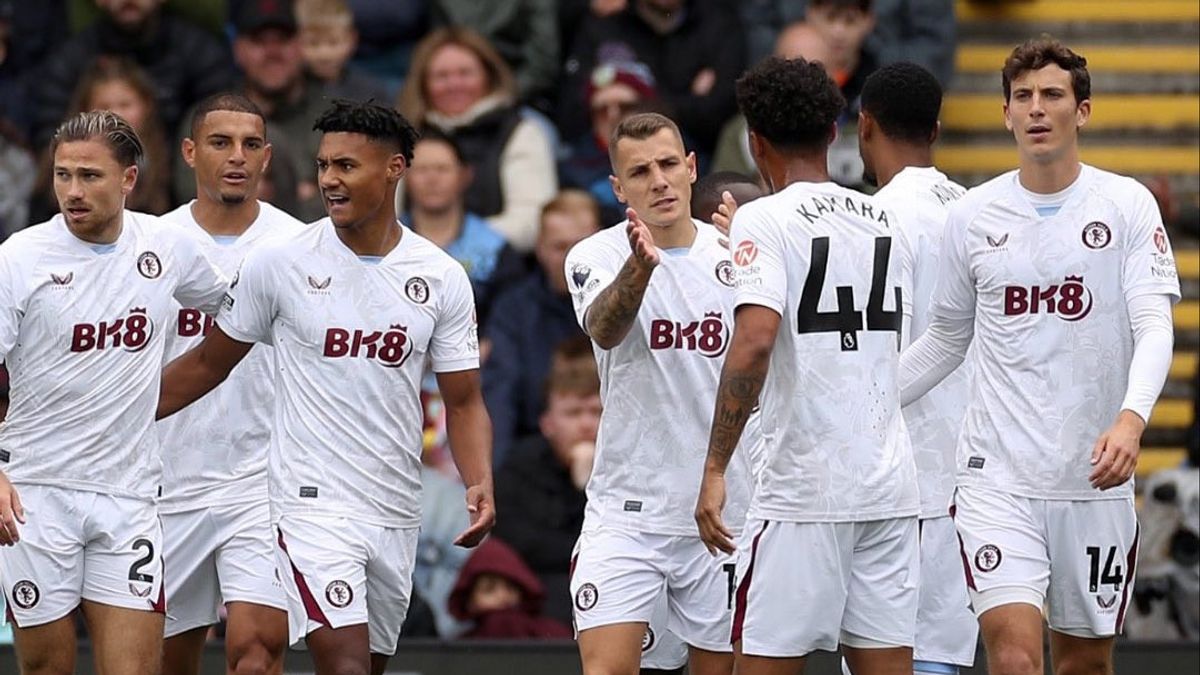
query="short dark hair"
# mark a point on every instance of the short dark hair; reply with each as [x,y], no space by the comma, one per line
[376,122]
[572,369]
[639,126]
[433,134]
[792,103]
[706,192]
[225,101]
[904,99]
[863,6]
[1040,52]
[107,126]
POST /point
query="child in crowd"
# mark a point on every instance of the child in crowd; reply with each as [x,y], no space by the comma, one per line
[328,40]
[497,590]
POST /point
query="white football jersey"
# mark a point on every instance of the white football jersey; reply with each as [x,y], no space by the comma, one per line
[836,448]
[659,386]
[351,338]
[1053,340]
[922,197]
[82,330]
[215,450]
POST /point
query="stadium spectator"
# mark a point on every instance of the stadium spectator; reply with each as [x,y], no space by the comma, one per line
[267,50]
[614,91]
[524,32]
[460,86]
[845,26]
[437,183]
[529,319]
[388,30]
[694,48]
[184,62]
[540,487]
[439,561]
[502,597]
[327,41]
[119,85]
[18,172]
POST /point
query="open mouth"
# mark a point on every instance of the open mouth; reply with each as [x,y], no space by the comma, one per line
[235,177]
[334,201]
[663,202]
[1038,131]
[77,211]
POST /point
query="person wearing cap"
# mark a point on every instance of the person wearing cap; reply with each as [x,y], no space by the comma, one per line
[267,50]
[614,91]
[185,62]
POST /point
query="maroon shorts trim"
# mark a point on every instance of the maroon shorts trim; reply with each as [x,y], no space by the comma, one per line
[1130,572]
[962,551]
[743,590]
[311,608]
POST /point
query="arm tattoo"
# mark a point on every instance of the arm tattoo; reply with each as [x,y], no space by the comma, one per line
[737,397]
[612,313]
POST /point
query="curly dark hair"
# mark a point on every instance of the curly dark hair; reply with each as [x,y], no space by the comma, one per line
[377,122]
[1040,52]
[791,103]
[904,99]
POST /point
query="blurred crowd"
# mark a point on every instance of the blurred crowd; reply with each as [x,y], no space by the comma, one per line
[515,100]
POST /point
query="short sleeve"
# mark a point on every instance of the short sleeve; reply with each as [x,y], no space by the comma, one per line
[954,291]
[12,301]
[248,308]
[757,249]
[454,345]
[201,283]
[590,268]
[1149,263]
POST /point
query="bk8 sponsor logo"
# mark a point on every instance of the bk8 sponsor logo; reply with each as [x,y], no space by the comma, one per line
[390,347]
[709,336]
[193,322]
[1070,300]
[131,333]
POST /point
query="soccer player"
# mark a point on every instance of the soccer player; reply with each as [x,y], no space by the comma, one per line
[85,300]
[218,541]
[897,125]
[1060,277]
[829,553]
[355,306]
[654,294]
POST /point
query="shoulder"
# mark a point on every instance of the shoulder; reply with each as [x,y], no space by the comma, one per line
[25,247]
[982,196]
[278,218]
[1125,192]
[181,214]
[606,242]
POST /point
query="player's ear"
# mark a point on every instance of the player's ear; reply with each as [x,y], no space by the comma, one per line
[937,131]
[266,156]
[1008,124]
[866,125]
[188,150]
[397,165]
[691,164]
[129,179]
[617,189]
[1083,113]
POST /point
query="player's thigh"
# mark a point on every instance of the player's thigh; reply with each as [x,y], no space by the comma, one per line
[255,637]
[46,649]
[1002,539]
[700,590]
[947,631]
[323,564]
[881,602]
[124,641]
[341,651]
[42,575]
[1093,549]
[192,591]
[182,652]
[785,572]
[611,649]
[1073,655]
[616,578]
[1012,637]
[123,558]
[389,585]
[879,660]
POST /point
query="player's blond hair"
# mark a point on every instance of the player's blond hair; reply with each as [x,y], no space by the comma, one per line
[107,126]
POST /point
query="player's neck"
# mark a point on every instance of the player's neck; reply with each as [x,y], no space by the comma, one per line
[226,220]
[798,169]
[1049,177]
[899,158]
[679,234]
[440,227]
[376,236]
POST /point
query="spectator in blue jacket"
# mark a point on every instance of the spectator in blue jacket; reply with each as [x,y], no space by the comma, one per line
[529,320]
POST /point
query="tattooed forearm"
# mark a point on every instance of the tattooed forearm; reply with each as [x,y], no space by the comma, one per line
[737,397]
[612,313]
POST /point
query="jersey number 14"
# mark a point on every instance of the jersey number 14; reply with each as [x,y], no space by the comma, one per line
[845,319]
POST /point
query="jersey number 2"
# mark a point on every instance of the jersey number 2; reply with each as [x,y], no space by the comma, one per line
[135,570]
[845,319]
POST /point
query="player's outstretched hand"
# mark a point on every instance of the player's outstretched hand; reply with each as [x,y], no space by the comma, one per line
[713,532]
[11,512]
[640,241]
[482,511]
[722,218]
[1114,458]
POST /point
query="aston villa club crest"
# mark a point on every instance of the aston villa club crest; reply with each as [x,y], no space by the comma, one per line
[724,272]
[339,594]
[987,558]
[586,597]
[25,594]
[417,290]
[1096,235]
[148,265]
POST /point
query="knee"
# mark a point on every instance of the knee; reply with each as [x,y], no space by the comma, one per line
[1013,660]
[349,668]
[255,658]
[1083,664]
